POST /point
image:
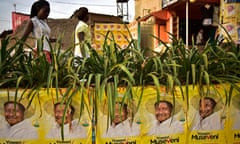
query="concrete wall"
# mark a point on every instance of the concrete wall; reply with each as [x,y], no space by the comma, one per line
[149,27]
[142,5]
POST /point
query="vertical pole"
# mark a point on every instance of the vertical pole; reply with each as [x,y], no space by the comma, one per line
[187,17]
[139,35]
[127,15]
[93,126]
[14,5]
[94,117]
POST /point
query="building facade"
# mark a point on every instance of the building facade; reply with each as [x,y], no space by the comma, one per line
[181,19]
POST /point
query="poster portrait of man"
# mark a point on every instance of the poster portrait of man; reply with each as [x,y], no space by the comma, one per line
[18,127]
[122,125]
[235,112]
[165,122]
[72,129]
[208,114]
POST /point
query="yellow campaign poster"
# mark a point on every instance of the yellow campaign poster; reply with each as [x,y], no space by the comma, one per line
[233,133]
[119,32]
[42,120]
[207,116]
[133,28]
[231,10]
[163,118]
[238,31]
[124,127]
[231,28]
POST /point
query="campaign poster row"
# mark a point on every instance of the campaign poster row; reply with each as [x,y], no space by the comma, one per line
[231,19]
[151,116]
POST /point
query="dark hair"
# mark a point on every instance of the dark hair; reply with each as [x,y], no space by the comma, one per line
[82,13]
[170,106]
[124,106]
[71,107]
[37,6]
[21,106]
[211,100]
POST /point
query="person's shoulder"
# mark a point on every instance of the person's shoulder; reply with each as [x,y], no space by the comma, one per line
[81,27]
[28,124]
[3,130]
[82,24]
[173,122]
[178,122]
[33,19]
[76,124]
[217,113]
[79,23]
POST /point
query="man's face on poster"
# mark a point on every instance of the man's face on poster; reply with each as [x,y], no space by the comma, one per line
[206,107]
[59,113]
[120,114]
[13,114]
[162,111]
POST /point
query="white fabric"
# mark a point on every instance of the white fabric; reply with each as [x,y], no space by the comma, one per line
[76,131]
[20,131]
[207,21]
[3,122]
[236,125]
[169,126]
[41,29]
[212,122]
[82,27]
[123,129]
